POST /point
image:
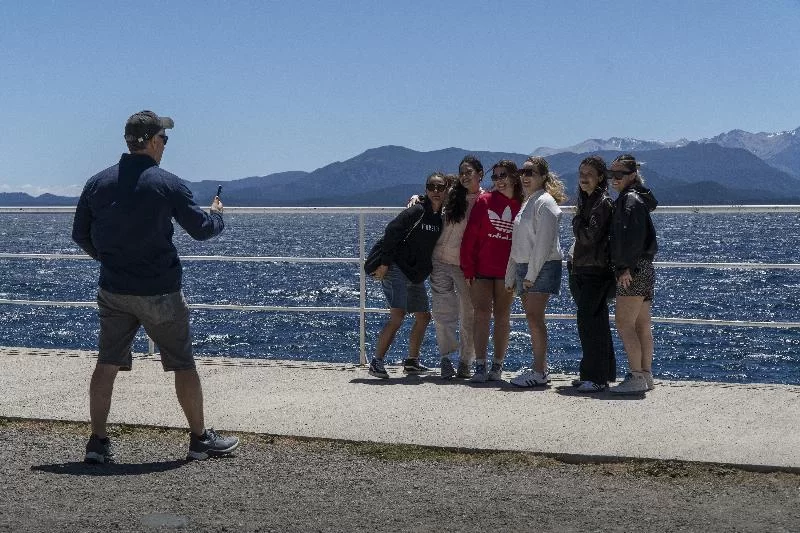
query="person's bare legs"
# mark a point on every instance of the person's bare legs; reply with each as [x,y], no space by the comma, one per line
[644,332]
[387,334]
[534,304]
[502,319]
[481,294]
[421,321]
[190,397]
[627,311]
[101,388]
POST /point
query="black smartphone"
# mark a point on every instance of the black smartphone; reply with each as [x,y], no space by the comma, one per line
[219,191]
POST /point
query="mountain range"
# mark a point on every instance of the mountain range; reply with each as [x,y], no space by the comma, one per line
[736,167]
[780,150]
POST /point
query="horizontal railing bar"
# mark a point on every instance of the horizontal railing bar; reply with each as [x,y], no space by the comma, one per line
[304,309]
[356,260]
[689,321]
[299,309]
[223,258]
[722,209]
[737,323]
[47,303]
[667,209]
[259,259]
[5,255]
[213,307]
[730,266]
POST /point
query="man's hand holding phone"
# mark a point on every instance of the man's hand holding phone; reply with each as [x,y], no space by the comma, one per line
[216,205]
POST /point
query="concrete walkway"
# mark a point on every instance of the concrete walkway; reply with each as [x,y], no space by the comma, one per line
[752,425]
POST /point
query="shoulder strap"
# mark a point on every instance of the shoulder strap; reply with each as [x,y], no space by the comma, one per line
[414,226]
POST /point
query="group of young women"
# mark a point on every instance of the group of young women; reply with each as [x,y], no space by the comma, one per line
[481,248]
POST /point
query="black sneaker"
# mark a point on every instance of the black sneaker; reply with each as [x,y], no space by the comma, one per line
[447,370]
[210,444]
[412,366]
[378,369]
[99,451]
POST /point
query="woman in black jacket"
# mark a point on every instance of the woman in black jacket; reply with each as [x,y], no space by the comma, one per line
[633,247]
[591,276]
[406,260]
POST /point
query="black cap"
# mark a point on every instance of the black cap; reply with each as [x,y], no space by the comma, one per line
[144,125]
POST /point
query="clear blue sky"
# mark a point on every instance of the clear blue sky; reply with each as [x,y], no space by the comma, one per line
[266,86]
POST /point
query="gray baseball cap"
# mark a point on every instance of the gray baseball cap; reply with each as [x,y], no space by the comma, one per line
[144,125]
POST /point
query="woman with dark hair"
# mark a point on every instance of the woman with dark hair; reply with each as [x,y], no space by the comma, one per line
[406,260]
[450,299]
[485,248]
[633,246]
[591,276]
[534,265]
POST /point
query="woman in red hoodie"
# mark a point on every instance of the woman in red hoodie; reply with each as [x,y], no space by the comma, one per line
[484,257]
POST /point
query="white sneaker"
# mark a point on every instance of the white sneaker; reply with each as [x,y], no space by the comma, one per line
[531,378]
[634,383]
[591,386]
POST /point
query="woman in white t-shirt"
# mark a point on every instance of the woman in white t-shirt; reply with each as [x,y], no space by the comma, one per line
[534,267]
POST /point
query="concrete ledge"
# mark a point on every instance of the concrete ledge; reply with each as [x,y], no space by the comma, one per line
[753,426]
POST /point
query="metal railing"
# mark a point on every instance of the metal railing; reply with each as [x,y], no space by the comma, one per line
[362,310]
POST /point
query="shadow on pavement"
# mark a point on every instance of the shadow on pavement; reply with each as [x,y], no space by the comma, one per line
[568,390]
[432,378]
[514,388]
[84,469]
[396,380]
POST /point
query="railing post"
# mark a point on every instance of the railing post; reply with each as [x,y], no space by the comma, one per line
[362,294]
[151,346]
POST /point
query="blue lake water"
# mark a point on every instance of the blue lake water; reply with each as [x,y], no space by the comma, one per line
[729,354]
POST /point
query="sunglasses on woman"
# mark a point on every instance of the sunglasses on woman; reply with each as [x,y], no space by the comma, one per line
[619,174]
[436,187]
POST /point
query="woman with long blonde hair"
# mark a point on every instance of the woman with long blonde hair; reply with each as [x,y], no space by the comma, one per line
[534,266]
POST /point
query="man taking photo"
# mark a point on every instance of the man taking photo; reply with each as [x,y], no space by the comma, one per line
[124,220]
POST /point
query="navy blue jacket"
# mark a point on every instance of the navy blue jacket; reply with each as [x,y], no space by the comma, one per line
[124,220]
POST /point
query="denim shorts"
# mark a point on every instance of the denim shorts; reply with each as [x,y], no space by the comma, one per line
[401,293]
[165,318]
[548,280]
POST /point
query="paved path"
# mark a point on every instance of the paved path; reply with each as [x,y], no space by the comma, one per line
[749,425]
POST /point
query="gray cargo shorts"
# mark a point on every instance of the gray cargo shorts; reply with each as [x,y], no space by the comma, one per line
[165,318]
